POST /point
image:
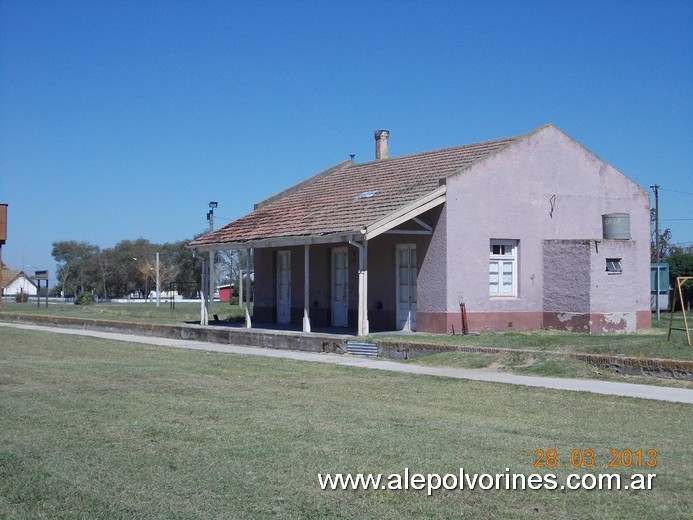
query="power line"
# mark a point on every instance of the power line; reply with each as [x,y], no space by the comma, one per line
[676,191]
[671,219]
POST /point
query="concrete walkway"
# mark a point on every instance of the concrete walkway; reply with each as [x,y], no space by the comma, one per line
[680,395]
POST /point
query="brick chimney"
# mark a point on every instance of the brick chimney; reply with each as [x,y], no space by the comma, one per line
[381,150]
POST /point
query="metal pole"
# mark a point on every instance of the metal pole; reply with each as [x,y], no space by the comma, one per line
[658,254]
[210,279]
[240,287]
[657,289]
[3,239]
[158,286]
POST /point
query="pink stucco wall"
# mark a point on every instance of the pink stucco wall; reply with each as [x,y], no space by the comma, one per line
[579,293]
[545,186]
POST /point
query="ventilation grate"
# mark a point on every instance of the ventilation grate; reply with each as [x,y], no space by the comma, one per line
[362,348]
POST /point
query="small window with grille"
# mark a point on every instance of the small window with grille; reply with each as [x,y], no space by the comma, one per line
[613,266]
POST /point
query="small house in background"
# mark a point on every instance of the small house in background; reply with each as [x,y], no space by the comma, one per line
[528,232]
[16,282]
[225,292]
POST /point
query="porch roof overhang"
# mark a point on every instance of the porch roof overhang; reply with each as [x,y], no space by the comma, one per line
[372,230]
[408,212]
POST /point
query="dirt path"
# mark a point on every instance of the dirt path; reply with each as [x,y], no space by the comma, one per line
[680,395]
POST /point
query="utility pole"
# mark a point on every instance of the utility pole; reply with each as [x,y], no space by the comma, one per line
[658,256]
[655,188]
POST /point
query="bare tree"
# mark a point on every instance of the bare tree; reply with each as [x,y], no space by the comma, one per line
[146,270]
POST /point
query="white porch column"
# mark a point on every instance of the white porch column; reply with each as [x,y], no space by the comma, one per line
[240,279]
[210,284]
[306,288]
[248,323]
[204,315]
[363,327]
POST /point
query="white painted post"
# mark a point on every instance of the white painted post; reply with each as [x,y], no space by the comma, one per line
[230,253]
[240,280]
[364,327]
[210,283]
[204,316]
[158,285]
[248,323]
[306,289]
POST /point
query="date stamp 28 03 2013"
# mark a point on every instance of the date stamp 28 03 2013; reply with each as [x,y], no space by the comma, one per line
[588,458]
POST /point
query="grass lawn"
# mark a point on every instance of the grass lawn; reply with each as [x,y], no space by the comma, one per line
[650,343]
[139,312]
[99,429]
[545,365]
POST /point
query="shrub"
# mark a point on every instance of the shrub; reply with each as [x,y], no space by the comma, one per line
[21,297]
[84,298]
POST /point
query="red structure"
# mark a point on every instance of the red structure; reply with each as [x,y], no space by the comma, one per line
[225,293]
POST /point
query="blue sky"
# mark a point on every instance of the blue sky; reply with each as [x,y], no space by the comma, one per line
[122,119]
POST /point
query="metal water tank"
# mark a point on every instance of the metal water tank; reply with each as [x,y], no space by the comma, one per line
[616,226]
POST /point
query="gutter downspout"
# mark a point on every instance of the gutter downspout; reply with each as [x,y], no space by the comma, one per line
[363,327]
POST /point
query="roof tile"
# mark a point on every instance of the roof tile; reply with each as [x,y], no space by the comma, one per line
[329,203]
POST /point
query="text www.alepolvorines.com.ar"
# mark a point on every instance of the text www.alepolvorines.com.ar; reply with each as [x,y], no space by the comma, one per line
[483,481]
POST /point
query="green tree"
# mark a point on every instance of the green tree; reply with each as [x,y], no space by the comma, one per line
[666,248]
[75,265]
[187,268]
[127,267]
[681,264]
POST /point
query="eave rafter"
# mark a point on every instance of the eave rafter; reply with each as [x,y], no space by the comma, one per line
[408,212]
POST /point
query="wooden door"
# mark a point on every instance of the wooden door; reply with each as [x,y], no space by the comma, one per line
[406,269]
[340,287]
[284,287]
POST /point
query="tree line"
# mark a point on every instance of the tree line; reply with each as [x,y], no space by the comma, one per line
[130,268]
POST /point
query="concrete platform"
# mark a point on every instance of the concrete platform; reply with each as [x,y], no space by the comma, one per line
[659,393]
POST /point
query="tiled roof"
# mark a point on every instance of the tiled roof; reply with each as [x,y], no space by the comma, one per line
[347,199]
[10,275]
